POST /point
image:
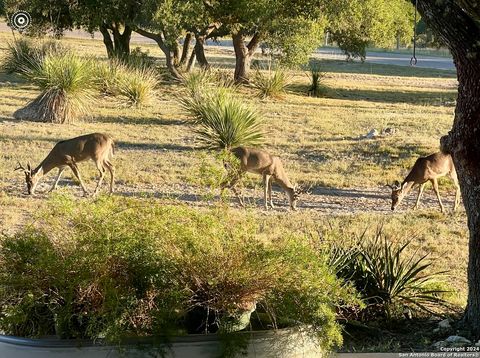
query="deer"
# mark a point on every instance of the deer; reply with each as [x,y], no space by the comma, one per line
[67,153]
[270,167]
[425,169]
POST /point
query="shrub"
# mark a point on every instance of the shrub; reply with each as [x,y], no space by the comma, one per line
[223,120]
[120,267]
[387,279]
[23,55]
[273,83]
[201,81]
[316,89]
[66,82]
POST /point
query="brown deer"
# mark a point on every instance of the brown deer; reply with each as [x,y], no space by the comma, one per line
[67,153]
[427,169]
[270,168]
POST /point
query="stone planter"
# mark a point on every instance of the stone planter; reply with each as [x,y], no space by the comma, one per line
[284,343]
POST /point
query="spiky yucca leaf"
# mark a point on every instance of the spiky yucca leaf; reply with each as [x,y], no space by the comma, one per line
[272,83]
[223,120]
[67,84]
[136,85]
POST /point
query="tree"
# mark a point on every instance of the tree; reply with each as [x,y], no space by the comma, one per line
[356,23]
[457,23]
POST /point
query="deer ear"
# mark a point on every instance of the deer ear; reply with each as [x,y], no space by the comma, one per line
[29,167]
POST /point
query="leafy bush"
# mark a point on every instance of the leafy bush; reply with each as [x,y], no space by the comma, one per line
[120,267]
[316,89]
[272,84]
[223,120]
[67,83]
[387,280]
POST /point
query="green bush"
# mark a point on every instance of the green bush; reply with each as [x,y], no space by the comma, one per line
[121,267]
[272,83]
[223,120]
[67,84]
[387,278]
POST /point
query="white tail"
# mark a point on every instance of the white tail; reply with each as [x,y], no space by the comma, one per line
[67,153]
[270,167]
[426,169]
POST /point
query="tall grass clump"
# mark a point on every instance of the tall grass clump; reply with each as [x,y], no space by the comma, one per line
[316,75]
[387,278]
[66,82]
[120,267]
[134,86]
[223,121]
[24,54]
[200,81]
[272,83]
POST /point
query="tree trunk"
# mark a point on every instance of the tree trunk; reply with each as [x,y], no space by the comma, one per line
[243,55]
[457,26]
[169,53]
[186,48]
[200,51]
[191,61]
[120,45]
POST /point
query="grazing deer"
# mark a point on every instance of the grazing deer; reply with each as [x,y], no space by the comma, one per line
[270,167]
[427,169]
[67,153]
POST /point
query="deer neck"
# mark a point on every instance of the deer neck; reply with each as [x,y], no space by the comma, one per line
[408,186]
[44,167]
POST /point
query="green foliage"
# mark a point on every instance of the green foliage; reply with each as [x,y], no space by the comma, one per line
[67,84]
[119,267]
[316,89]
[223,120]
[23,54]
[201,81]
[271,83]
[387,279]
[133,82]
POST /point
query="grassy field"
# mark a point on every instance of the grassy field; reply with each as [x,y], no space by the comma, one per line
[319,140]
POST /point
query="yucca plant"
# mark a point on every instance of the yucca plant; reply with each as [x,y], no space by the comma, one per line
[386,277]
[205,80]
[316,89]
[223,120]
[272,83]
[135,86]
[66,83]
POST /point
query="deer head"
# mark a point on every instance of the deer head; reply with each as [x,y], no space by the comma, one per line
[397,193]
[30,178]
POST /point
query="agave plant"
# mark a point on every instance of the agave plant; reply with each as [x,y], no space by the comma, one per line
[136,86]
[223,120]
[66,82]
[386,277]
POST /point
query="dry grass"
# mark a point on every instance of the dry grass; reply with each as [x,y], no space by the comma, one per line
[317,138]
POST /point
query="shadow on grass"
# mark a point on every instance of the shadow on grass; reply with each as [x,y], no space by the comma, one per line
[368,68]
[137,120]
[154,146]
[445,98]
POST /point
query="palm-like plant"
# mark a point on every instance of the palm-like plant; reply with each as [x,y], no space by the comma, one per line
[223,120]
[272,83]
[66,84]
[316,89]
[387,278]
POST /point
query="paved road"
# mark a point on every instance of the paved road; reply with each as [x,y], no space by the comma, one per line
[443,63]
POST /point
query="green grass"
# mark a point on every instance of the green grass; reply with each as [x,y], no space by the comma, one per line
[318,140]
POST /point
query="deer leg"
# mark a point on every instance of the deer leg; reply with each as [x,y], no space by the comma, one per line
[435,189]
[420,192]
[231,185]
[457,192]
[111,169]
[57,179]
[75,171]
[101,170]
[270,191]
[266,179]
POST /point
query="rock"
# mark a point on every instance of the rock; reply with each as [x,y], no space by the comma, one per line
[457,340]
[445,324]
[372,134]
[439,344]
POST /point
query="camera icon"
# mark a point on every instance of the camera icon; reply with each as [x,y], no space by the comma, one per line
[20,20]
